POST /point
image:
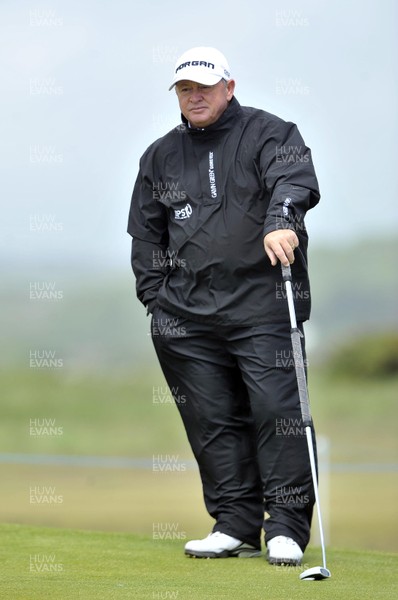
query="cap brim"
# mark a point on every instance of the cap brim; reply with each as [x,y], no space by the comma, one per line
[202,78]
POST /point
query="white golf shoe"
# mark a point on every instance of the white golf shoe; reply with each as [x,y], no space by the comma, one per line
[282,550]
[220,545]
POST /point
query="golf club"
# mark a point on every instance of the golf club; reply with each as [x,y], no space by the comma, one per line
[315,573]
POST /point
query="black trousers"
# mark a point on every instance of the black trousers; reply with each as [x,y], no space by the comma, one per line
[236,391]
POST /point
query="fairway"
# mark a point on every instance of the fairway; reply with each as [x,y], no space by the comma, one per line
[40,563]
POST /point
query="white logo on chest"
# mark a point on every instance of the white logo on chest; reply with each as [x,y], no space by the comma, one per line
[183,213]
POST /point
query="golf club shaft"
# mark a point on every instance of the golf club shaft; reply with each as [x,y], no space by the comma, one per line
[303,394]
[308,433]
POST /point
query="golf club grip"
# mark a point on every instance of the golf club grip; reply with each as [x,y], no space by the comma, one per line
[296,345]
[300,376]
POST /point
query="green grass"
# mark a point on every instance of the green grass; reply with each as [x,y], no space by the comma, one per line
[120,415]
[358,416]
[105,566]
[104,416]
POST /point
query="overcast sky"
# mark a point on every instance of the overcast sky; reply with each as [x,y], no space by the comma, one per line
[84,91]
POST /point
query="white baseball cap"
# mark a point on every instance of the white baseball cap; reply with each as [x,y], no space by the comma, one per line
[204,65]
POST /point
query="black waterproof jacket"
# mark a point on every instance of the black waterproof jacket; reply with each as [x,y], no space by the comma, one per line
[202,203]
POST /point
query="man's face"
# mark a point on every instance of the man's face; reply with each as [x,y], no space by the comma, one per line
[203,105]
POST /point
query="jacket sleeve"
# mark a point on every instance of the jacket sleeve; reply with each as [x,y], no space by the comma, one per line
[148,227]
[289,177]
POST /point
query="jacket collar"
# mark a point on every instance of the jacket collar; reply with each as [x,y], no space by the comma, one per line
[224,122]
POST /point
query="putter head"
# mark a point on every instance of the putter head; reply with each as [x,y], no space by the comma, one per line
[315,574]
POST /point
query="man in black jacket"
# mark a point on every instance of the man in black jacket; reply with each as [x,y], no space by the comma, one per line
[218,202]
